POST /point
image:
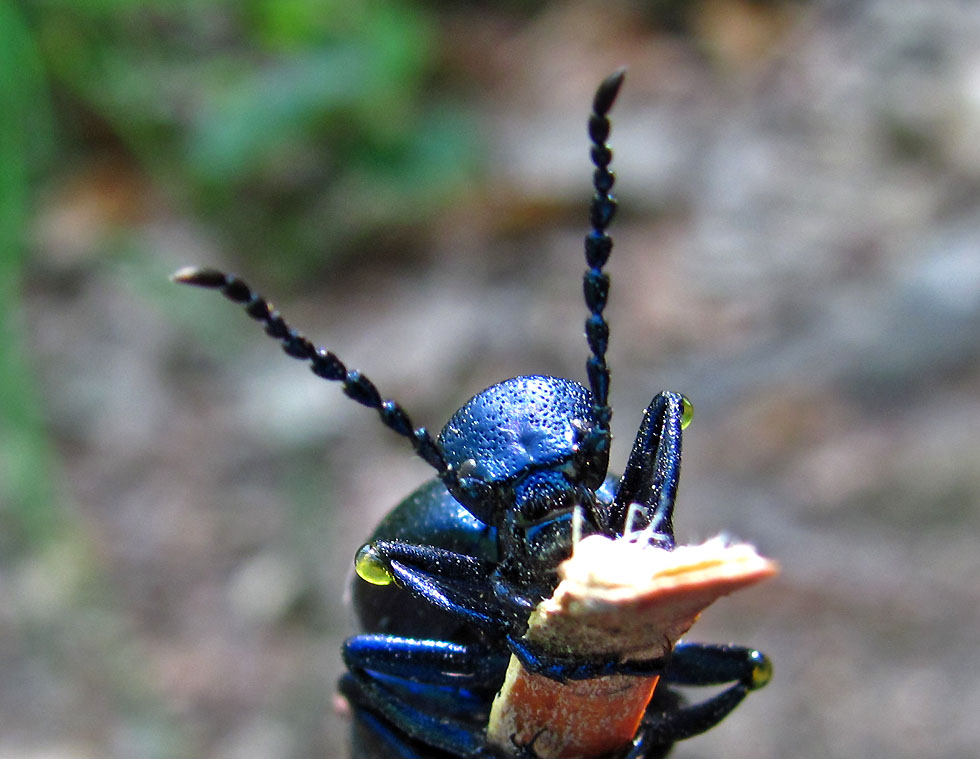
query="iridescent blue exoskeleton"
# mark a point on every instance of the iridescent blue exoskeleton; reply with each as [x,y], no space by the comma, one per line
[450,576]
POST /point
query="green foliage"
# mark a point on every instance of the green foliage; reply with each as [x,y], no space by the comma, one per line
[297,126]
[28,514]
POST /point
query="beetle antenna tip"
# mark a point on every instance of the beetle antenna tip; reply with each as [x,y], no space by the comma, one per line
[199,276]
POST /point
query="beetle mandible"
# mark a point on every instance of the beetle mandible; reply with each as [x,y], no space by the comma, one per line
[450,577]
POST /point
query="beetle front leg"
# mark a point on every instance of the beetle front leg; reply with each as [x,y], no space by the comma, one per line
[707,664]
[436,662]
[374,738]
[653,469]
[701,664]
[442,719]
[584,667]
[452,582]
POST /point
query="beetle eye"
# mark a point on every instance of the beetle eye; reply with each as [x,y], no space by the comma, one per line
[474,487]
[470,489]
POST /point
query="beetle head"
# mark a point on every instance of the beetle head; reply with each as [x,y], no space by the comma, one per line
[523,443]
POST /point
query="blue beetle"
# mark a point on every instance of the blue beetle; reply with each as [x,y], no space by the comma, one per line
[450,576]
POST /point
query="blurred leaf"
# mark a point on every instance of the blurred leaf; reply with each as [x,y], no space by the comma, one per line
[246,119]
[266,114]
[27,495]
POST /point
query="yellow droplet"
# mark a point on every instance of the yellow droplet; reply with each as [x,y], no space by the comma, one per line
[761,670]
[687,412]
[370,567]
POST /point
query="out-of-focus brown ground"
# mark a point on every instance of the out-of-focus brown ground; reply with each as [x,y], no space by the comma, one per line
[798,251]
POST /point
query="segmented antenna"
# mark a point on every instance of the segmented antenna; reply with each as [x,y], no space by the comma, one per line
[323,363]
[598,245]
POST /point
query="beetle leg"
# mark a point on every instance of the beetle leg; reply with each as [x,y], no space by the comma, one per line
[565,668]
[515,568]
[707,664]
[374,737]
[653,469]
[456,583]
[436,662]
[443,718]
[526,573]
[700,664]
[660,728]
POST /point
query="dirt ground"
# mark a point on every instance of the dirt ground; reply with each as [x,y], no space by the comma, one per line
[797,251]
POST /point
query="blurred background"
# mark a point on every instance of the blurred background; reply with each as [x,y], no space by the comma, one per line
[797,251]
